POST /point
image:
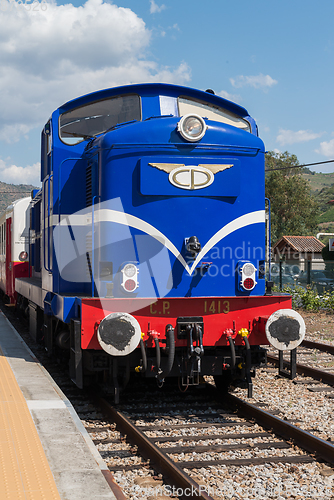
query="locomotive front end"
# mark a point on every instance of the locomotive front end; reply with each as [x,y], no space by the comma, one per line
[177,255]
[156,267]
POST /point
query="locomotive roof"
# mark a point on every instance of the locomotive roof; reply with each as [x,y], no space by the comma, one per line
[152,89]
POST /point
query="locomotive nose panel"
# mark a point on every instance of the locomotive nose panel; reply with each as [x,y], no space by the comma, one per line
[119,334]
[285,329]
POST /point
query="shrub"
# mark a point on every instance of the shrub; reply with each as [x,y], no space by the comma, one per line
[309,299]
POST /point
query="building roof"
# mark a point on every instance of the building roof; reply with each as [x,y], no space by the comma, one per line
[301,243]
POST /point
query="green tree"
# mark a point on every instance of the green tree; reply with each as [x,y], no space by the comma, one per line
[294,211]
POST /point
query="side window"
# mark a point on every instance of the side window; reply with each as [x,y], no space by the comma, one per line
[46,150]
[4,238]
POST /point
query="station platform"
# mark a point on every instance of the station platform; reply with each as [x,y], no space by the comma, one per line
[45,451]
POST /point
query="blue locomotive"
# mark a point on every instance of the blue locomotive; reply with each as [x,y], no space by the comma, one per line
[147,241]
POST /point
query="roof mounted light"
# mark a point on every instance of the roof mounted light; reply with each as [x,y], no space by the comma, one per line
[192,127]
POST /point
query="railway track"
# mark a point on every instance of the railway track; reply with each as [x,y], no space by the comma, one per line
[204,443]
[319,346]
[182,439]
[313,353]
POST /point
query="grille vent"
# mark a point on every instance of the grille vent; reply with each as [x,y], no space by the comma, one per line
[89,184]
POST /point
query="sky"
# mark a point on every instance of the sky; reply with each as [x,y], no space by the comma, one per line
[274,58]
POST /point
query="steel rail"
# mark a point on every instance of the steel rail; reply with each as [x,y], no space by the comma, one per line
[117,491]
[304,439]
[318,345]
[326,377]
[181,480]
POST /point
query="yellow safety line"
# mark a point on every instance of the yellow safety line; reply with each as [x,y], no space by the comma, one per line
[24,469]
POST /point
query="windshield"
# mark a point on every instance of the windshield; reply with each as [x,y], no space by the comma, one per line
[318,274]
[98,117]
[187,105]
[328,274]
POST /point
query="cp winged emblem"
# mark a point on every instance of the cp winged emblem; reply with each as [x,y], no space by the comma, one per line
[191,176]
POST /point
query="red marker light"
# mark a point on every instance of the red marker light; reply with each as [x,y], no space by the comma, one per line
[130,285]
[248,284]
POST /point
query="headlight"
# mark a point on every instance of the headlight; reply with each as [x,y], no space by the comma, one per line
[23,256]
[192,127]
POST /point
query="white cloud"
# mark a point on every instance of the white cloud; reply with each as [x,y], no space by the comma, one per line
[290,137]
[165,74]
[48,57]
[258,81]
[49,40]
[13,174]
[231,97]
[155,8]
[12,133]
[326,149]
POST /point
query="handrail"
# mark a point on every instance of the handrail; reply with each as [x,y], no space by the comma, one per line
[46,181]
[93,246]
[269,234]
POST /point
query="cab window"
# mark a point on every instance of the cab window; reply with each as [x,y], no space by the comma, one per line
[98,117]
[46,151]
[215,113]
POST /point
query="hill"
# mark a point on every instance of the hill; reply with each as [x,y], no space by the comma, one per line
[322,188]
[12,192]
[319,181]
